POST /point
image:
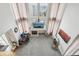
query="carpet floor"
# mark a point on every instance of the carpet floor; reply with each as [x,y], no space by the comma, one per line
[38,46]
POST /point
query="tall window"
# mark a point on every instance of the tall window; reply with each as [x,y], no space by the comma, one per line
[38,12]
[34,12]
[38,9]
[43,10]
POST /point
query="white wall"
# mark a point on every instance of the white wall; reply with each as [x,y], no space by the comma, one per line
[70,20]
[70,23]
[7,19]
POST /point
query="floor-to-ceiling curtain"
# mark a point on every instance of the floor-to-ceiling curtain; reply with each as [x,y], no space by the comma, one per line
[53,14]
[58,18]
[21,16]
[50,25]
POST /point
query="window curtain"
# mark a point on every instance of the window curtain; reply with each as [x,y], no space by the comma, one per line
[21,16]
[50,26]
[58,18]
[53,14]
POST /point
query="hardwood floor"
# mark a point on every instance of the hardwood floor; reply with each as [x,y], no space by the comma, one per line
[7,53]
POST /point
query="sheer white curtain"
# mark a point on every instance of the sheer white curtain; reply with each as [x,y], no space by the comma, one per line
[21,16]
[57,11]
[53,14]
[50,26]
[59,17]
